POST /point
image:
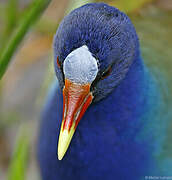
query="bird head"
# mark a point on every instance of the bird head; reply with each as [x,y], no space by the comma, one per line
[94,48]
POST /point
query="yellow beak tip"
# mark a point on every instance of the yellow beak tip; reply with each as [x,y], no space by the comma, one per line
[60,157]
[64,141]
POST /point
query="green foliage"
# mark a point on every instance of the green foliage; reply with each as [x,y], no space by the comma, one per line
[11,14]
[77,3]
[38,6]
[11,19]
[19,162]
[127,5]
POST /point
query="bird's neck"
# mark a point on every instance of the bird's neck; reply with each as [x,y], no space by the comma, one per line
[127,104]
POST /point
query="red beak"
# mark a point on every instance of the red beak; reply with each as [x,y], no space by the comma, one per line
[76,100]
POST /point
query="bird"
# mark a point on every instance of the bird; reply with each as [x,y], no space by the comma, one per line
[103,115]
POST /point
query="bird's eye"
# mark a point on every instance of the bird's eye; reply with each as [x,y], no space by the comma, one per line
[58,63]
[106,73]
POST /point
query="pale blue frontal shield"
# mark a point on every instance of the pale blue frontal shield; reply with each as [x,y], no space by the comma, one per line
[80,66]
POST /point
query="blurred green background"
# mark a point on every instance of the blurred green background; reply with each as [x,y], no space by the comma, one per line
[24,86]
